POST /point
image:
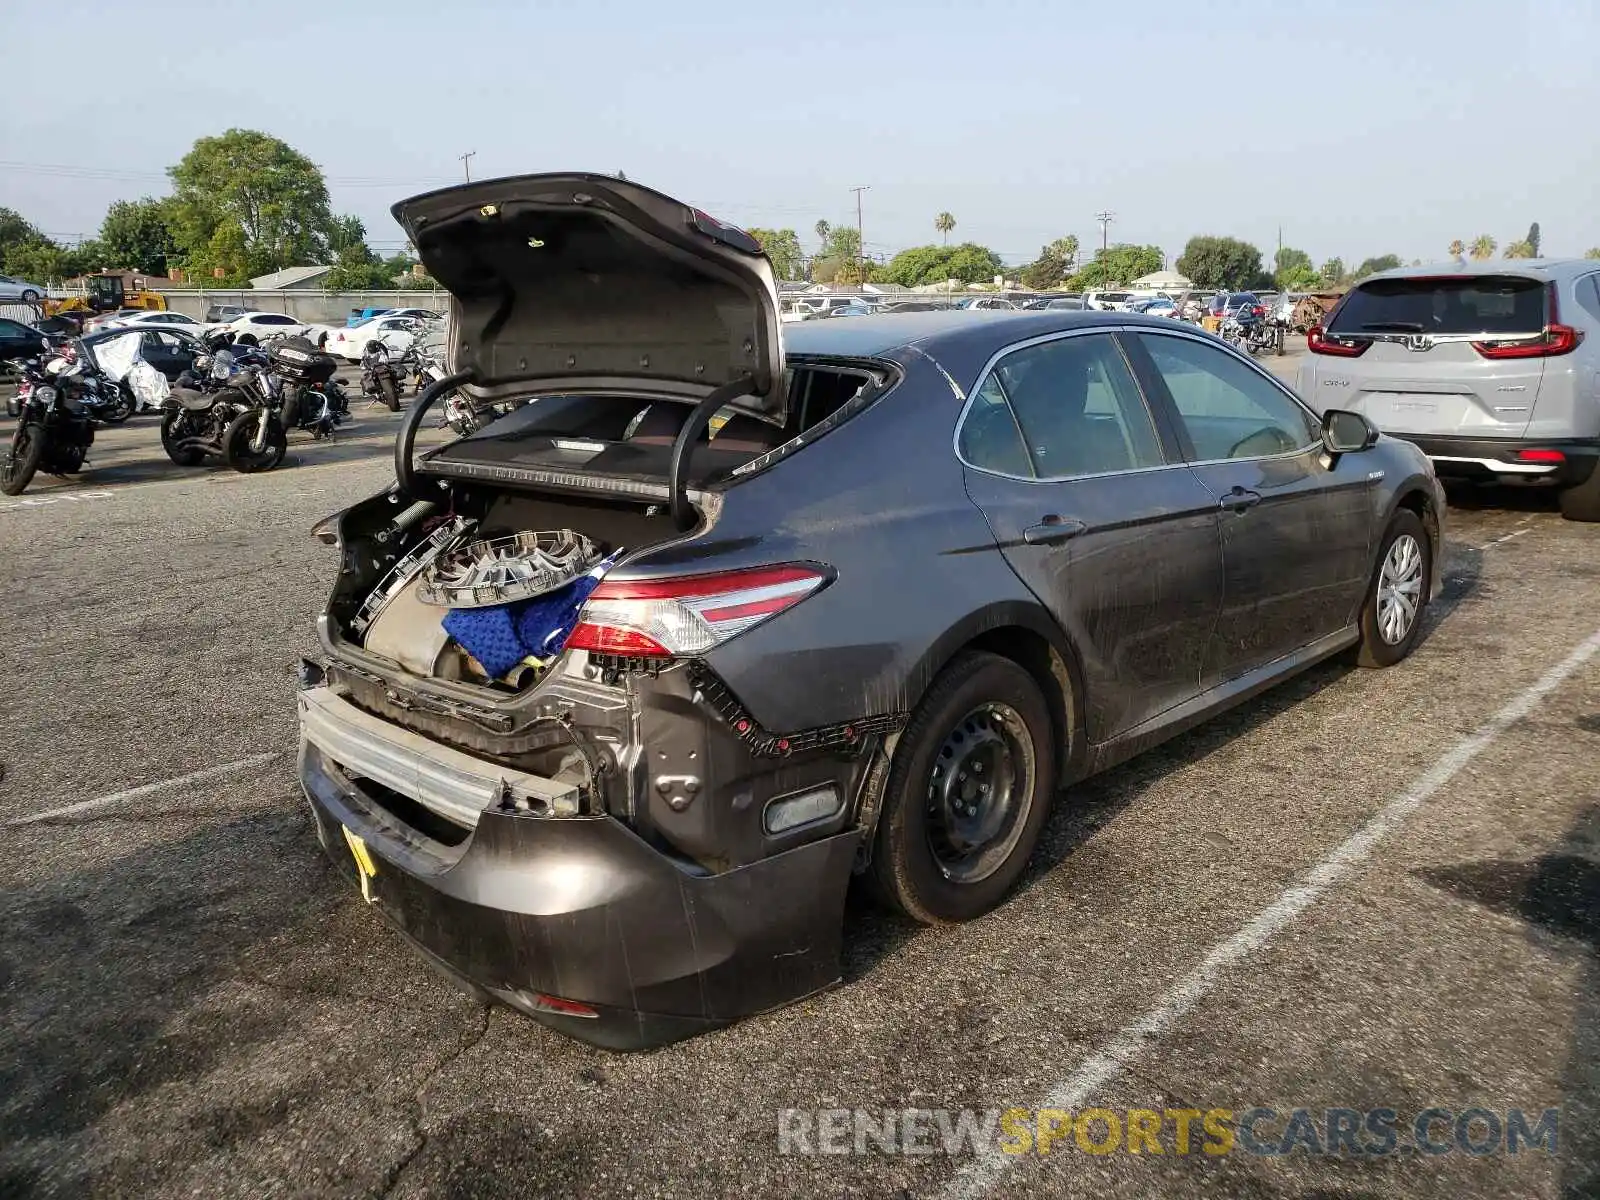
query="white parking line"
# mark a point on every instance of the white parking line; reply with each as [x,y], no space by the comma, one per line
[977,1177]
[83,806]
[48,499]
[1504,538]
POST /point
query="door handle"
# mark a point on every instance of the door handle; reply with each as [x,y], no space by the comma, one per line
[1052,529]
[1240,499]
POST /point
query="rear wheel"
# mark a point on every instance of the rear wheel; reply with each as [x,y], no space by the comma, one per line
[391,394]
[1582,502]
[968,792]
[27,448]
[119,410]
[174,430]
[1391,618]
[238,442]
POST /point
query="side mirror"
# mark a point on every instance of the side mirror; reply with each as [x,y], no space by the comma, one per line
[1345,432]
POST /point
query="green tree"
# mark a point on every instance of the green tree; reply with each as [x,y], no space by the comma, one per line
[1518,249]
[1118,265]
[923,265]
[822,230]
[1458,249]
[944,223]
[1293,270]
[1483,246]
[39,260]
[1371,266]
[783,248]
[269,202]
[1533,239]
[1046,271]
[1219,262]
[1592,252]
[137,234]
[15,230]
[344,232]
[1331,271]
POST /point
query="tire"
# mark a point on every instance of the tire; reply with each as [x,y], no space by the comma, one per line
[954,731]
[120,412]
[22,460]
[185,457]
[1281,339]
[391,394]
[1582,502]
[236,443]
[1379,645]
[29,296]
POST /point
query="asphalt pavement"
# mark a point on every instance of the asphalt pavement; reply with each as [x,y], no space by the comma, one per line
[1365,890]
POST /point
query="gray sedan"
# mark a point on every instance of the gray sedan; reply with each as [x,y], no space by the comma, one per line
[619,691]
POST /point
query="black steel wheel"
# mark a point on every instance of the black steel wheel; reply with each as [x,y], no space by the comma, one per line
[968,792]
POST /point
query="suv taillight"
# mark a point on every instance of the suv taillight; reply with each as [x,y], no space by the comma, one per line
[1318,341]
[690,614]
[1555,338]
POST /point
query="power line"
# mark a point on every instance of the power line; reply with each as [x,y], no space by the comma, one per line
[861,239]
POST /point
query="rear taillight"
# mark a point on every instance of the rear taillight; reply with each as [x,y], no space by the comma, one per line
[1259,311]
[1318,341]
[689,614]
[1555,339]
[1541,456]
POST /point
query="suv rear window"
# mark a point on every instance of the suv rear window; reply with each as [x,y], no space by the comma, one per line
[1469,304]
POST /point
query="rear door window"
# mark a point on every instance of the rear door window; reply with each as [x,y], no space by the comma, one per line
[1466,304]
[1077,407]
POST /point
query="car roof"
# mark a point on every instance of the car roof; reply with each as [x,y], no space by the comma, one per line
[881,334]
[1561,269]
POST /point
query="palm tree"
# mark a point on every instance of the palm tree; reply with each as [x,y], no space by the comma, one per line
[1519,249]
[944,223]
[1458,248]
[1483,246]
[823,230]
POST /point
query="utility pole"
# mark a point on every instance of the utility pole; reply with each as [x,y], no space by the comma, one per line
[466,164]
[861,237]
[1105,219]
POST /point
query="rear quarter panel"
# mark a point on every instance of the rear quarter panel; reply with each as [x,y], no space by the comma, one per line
[881,501]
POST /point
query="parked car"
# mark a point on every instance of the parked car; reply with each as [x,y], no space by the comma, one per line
[101,321]
[359,316]
[1230,304]
[1160,306]
[140,319]
[1492,368]
[170,351]
[18,340]
[395,332]
[856,310]
[263,325]
[221,314]
[985,304]
[13,289]
[1107,301]
[647,830]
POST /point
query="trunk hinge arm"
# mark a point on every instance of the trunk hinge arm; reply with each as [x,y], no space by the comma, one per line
[683,513]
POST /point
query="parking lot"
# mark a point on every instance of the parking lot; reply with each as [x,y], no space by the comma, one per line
[1363,890]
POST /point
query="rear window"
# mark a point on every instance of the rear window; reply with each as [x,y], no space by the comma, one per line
[1473,304]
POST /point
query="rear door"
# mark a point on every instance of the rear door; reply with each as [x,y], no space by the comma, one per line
[1100,520]
[1403,355]
[1296,530]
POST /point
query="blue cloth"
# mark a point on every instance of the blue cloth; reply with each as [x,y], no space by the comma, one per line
[502,635]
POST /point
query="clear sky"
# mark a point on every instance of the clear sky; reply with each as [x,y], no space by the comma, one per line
[1360,128]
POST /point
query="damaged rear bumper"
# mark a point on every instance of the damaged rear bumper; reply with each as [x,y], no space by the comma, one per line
[579,908]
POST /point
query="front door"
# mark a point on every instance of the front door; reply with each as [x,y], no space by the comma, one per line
[1295,530]
[1096,516]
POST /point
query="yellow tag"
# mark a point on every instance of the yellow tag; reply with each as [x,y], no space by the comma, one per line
[365,867]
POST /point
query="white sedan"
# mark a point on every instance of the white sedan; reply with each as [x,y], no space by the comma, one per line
[262,325]
[151,320]
[394,332]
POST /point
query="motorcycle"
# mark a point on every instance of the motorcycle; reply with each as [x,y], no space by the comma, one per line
[205,402]
[378,378]
[106,400]
[297,391]
[54,427]
[1247,329]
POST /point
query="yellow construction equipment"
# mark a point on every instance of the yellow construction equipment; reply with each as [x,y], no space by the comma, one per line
[107,293]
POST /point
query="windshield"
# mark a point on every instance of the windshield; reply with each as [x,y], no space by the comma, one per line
[1470,304]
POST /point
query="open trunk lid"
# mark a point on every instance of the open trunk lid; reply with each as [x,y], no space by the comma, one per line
[576,283]
[1422,371]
